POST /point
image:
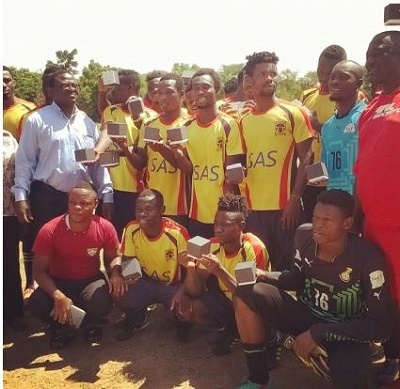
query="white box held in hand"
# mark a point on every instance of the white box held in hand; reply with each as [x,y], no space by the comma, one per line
[130,269]
[85,155]
[77,315]
[135,105]
[198,246]
[316,173]
[109,158]
[177,135]
[110,77]
[235,172]
[117,130]
[245,273]
[151,135]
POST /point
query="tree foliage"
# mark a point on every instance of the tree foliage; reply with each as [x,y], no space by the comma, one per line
[28,87]
[28,84]
[87,100]
[66,60]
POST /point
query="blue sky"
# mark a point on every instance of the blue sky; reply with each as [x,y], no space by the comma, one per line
[154,34]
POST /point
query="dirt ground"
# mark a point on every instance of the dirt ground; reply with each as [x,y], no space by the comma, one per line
[152,359]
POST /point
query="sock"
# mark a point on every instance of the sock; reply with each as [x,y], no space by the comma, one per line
[255,358]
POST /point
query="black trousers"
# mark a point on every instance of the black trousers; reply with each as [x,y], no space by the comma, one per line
[267,225]
[46,204]
[349,362]
[12,289]
[124,210]
[89,294]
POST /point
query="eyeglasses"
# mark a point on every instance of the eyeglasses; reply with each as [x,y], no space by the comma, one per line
[67,85]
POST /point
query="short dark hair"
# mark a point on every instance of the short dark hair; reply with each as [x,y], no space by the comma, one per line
[47,72]
[7,69]
[256,58]
[158,196]
[339,198]
[86,185]
[178,80]
[209,72]
[231,86]
[394,44]
[55,74]
[233,203]
[155,74]
[131,77]
[334,52]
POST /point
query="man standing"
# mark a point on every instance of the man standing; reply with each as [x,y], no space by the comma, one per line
[67,268]
[274,132]
[342,299]
[377,173]
[127,180]
[339,134]
[46,168]
[318,102]
[162,173]
[213,143]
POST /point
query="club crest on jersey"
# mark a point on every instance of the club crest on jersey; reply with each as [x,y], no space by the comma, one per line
[220,143]
[350,129]
[385,110]
[280,129]
[169,255]
[92,251]
[345,275]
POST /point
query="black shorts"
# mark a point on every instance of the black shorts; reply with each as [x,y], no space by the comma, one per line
[278,308]
[267,225]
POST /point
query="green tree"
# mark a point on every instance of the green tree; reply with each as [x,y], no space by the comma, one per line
[87,100]
[28,84]
[179,68]
[229,71]
[65,59]
[289,87]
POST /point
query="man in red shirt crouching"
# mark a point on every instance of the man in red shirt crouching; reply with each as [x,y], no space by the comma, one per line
[67,268]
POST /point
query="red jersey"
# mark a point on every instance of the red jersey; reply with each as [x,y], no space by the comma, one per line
[75,255]
[378,183]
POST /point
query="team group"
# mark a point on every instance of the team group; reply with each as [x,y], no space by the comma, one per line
[343,265]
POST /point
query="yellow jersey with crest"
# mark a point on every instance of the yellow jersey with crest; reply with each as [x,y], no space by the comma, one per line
[208,146]
[270,139]
[158,256]
[125,177]
[253,249]
[161,175]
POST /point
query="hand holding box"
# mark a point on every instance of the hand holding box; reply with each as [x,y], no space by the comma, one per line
[245,273]
[110,77]
[77,315]
[198,246]
[117,130]
[131,269]
[152,135]
[316,173]
[135,106]
[85,155]
[177,135]
[109,158]
[235,173]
